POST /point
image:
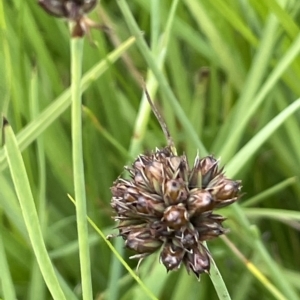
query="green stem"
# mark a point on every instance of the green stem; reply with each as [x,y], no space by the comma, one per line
[78,169]
[217,280]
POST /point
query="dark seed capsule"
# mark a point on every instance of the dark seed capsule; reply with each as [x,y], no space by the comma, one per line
[199,202]
[70,9]
[175,217]
[174,191]
[197,260]
[171,256]
[142,241]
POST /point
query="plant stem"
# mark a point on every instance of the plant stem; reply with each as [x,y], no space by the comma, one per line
[78,169]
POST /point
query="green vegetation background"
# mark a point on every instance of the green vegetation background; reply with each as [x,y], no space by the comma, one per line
[224,74]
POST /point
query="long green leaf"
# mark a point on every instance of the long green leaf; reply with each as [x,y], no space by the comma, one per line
[23,190]
[243,156]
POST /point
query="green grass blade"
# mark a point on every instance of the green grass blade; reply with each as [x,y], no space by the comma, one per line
[285,19]
[282,65]
[218,282]
[255,271]
[37,285]
[274,269]
[116,253]
[253,81]
[228,59]
[242,157]
[271,213]
[7,283]
[19,176]
[269,192]
[160,49]
[165,88]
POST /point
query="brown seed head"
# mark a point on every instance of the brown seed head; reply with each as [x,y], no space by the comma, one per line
[168,205]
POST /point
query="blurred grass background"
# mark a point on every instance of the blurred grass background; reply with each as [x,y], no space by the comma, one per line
[233,67]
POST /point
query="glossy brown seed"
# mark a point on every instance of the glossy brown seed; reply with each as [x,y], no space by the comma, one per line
[175,217]
[171,256]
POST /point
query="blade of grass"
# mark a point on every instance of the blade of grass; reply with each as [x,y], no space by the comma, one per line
[160,51]
[243,156]
[269,192]
[29,212]
[271,213]
[254,79]
[7,61]
[231,15]
[10,206]
[165,88]
[218,282]
[78,168]
[285,19]
[7,283]
[60,104]
[233,168]
[253,234]
[105,133]
[37,285]
[282,65]
[228,58]
[254,270]
[116,253]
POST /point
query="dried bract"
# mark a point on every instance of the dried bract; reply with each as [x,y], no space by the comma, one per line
[169,206]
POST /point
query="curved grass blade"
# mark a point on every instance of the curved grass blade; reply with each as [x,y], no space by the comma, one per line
[23,190]
[218,282]
[7,284]
[116,253]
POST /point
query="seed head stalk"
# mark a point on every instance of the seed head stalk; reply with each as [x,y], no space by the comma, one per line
[78,167]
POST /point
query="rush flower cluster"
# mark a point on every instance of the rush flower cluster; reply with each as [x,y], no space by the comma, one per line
[169,206]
